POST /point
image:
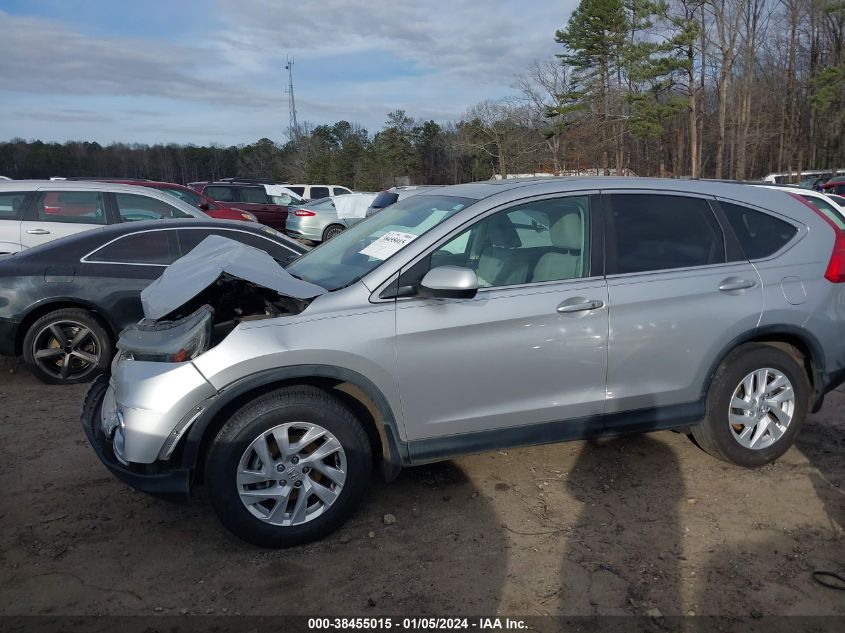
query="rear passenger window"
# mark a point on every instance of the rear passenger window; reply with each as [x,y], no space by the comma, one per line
[657,232]
[759,234]
[221,194]
[75,207]
[319,192]
[300,191]
[10,205]
[253,195]
[148,247]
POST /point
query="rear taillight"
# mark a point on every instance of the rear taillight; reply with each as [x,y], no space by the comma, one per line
[304,213]
[836,266]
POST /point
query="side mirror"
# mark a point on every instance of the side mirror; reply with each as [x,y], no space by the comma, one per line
[449,282]
[203,206]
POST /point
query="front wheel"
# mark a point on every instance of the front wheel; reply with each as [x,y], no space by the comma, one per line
[757,402]
[288,468]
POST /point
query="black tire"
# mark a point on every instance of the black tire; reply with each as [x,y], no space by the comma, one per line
[288,404]
[332,231]
[715,434]
[56,370]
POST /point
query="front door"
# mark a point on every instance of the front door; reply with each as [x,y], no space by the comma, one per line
[524,361]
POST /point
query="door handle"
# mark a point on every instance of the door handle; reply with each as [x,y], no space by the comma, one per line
[736,283]
[581,306]
[38,231]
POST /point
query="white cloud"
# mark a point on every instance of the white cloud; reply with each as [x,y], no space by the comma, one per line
[227,82]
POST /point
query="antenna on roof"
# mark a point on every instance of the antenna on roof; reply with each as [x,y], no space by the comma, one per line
[293,130]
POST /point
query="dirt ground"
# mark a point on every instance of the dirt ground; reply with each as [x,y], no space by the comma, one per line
[620,527]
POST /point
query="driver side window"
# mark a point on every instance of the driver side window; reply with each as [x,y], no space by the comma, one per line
[545,240]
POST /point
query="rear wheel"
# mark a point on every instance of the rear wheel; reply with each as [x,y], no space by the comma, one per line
[757,403]
[332,231]
[67,346]
[288,468]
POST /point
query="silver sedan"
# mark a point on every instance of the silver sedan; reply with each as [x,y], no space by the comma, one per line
[317,221]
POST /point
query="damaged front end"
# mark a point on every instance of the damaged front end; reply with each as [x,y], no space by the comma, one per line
[203,296]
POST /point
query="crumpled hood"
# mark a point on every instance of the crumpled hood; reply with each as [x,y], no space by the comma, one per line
[187,277]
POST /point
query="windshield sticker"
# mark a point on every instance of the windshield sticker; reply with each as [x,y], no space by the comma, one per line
[388,244]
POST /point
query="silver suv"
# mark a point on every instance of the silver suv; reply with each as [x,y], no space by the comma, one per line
[471,318]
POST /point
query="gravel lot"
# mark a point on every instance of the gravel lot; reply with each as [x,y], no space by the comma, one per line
[623,526]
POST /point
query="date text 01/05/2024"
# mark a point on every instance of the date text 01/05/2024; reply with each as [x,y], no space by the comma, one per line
[417,624]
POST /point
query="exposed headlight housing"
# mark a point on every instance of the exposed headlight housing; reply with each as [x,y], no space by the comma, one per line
[169,341]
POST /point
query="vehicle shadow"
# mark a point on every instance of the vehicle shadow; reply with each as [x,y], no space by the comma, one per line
[822,442]
[630,489]
[774,562]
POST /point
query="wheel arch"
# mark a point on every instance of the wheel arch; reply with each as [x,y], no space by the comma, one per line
[790,339]
[331,226]
[60,303]
[359,393]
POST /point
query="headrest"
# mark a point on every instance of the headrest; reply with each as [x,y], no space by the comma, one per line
[503,232]
[566,232]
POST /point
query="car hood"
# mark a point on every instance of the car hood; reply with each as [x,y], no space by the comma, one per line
[213,257]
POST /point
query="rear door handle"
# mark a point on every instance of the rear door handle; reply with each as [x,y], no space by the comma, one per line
[581,306]
[736,283]
[38,231]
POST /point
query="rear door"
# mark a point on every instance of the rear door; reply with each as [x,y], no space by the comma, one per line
[57,213]
[12,207]
[678,295]
[127,265]
[256,201]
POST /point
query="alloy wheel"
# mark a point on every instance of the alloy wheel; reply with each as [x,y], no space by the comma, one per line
[66,350]
[761,408]
[291,473]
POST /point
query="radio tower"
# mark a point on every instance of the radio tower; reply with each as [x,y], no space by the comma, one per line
[294,126]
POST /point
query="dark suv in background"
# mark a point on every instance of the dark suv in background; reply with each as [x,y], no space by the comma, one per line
[250,197]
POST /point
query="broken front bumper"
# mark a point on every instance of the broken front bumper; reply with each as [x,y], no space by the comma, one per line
[156,479]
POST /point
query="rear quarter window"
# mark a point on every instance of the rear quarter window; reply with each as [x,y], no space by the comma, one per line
[11,205]
[759,234]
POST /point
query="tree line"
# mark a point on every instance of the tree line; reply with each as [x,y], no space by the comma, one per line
[700,88]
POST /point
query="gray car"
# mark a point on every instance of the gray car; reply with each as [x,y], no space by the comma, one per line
[472,318]
[320,221]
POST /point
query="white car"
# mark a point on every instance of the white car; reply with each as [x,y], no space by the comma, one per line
[33,212]
[824,203]
[317,192]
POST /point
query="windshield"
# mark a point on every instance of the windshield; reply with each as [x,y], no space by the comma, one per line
[367,245]
[191,197]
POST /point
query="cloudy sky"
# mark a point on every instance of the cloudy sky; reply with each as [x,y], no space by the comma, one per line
[213,71]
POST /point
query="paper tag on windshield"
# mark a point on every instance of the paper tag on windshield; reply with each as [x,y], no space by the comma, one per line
[388,244]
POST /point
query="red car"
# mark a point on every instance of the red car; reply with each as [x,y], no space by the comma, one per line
[834,185]
[250,196]
[194,198]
